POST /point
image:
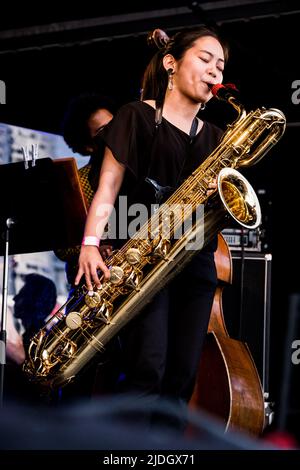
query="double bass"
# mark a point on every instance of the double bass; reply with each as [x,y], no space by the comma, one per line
[228,384]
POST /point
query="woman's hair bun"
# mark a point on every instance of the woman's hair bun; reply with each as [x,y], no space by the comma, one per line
[157,38]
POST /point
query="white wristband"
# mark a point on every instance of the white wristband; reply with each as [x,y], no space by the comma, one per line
[91,241]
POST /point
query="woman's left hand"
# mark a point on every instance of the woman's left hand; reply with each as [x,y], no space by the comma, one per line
[212,186]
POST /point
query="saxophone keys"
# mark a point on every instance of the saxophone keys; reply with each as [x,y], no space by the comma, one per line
[45,355]
[92,299]
[133,280]
[73,320]
[161,251]
[133,256]
[116,275]
[104,313]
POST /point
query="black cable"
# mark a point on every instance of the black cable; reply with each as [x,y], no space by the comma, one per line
[242,271]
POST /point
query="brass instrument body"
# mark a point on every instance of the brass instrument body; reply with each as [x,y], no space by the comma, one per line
[144,264]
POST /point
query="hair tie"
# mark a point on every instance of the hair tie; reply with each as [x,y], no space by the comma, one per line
[158,38]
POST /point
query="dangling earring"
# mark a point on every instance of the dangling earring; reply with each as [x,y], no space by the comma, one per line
[170,72]
[202,107]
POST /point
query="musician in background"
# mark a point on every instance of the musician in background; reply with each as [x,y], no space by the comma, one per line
[162,345]
[85,116]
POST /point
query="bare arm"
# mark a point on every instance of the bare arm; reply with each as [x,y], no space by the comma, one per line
[111,177]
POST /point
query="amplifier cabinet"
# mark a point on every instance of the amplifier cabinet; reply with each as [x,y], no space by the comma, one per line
[246,306]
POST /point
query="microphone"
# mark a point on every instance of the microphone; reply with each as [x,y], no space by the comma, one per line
[224,91]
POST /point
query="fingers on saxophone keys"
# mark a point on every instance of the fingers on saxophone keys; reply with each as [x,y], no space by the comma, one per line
[95,278]
[212,186]
[88,281]
[94,274]
[104,269]
[79,276]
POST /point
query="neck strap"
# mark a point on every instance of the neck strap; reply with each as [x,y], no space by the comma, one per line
[158,119]
[194,127]
[158,115]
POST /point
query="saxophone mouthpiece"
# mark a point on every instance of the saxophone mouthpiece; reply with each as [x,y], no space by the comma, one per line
[224,91]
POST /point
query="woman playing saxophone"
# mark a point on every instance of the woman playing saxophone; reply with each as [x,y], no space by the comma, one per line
[162,139]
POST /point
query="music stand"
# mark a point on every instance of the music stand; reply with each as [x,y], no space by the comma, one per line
[42,208]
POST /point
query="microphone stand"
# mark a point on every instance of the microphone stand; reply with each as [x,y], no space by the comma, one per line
[55,194]
[9,223]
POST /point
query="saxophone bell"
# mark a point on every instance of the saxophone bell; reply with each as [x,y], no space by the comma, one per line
[239,198]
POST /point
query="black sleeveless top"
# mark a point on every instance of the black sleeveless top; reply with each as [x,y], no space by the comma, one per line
[165,154]
[133,139]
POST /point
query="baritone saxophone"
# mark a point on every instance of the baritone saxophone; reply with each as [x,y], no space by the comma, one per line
[151,258]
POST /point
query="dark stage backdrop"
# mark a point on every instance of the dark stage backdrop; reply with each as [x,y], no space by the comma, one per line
[264,65]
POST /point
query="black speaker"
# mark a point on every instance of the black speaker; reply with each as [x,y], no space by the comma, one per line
[289,406]
[246,305]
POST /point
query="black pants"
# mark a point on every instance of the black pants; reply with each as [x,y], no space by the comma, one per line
[162,346]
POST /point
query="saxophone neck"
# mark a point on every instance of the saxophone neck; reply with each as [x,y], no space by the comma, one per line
[238,107]
[241,116]
[227,92]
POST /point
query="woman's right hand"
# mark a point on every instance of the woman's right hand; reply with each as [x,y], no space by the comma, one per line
[89,261]
[111,177]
